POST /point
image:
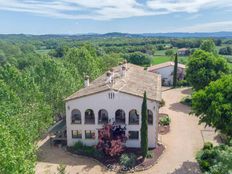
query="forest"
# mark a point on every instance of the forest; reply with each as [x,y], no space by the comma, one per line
[38,72]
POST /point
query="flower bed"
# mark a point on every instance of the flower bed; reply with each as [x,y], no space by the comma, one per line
[131,156]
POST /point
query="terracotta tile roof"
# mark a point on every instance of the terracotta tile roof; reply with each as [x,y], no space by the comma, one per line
[136,81]
[163,65]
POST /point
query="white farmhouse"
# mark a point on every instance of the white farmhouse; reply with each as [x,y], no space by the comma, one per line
[114,97]
[166,71]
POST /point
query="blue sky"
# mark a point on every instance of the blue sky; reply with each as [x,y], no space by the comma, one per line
[102,16]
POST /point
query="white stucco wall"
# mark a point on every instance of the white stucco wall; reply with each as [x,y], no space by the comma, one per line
[166,73]
[101,101]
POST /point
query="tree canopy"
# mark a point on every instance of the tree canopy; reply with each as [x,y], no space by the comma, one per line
[208,46]
[138,58]
[204,67]
[213,105]
[32,89]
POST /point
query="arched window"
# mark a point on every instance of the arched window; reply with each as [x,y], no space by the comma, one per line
[76,116]
[120,116]
[89,117]
[150,116]
[102,116]
[133,117]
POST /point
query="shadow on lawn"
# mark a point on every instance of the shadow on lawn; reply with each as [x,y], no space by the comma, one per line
[188,167]
[56,155]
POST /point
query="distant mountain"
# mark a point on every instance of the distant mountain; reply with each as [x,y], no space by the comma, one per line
[222,34]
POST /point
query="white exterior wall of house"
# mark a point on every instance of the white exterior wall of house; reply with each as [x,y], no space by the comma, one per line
[101,100]
[166,73]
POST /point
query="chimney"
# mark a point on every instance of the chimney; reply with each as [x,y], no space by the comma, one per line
[112,74]
[123,71]
[108,77]
[86,83]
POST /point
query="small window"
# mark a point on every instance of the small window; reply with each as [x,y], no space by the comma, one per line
[76,116]
[89,134]
[76,134]
[103,116]
[150,117]
[120,116]
[133,135]
[89,117]
[133,117]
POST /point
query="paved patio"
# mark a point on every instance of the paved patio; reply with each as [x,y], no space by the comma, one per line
[182,143]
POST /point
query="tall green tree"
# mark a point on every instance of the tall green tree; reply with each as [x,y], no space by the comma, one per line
[85,60]
[213,105]
[175,71]
[144,127]
[204,67]
[208,46]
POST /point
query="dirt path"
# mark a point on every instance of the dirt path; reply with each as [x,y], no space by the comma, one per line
[182,143]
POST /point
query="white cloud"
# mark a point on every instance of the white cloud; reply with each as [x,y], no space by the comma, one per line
[108,9]
[208,27]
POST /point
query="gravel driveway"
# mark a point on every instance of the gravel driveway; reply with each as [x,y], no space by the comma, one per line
[182,142]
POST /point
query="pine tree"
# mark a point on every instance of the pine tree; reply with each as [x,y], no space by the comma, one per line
[175,71]
[144,127]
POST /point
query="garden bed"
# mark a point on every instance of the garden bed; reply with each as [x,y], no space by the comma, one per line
[113,163]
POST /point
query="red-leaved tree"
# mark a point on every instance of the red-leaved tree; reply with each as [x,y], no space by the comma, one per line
[111,139]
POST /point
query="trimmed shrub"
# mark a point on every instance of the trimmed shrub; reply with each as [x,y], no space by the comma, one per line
[99,154]
[208,145]
[128,160]
[150,154]
[215,160]
[162,103]
[183,83]
[78,145]
[84,150]
[165,120]
[186,101]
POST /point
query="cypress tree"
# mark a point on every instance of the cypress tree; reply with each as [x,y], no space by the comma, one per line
[144,127]
[175,71]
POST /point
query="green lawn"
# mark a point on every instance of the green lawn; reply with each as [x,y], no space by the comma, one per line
[160,59]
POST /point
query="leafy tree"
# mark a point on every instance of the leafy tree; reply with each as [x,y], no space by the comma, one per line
[169,52]
[213,105]
[2,57]
[144,127]
[205,67]
[109,60]
[225,51]
[51,76]
[218,42]
[17,150]
[85,60]
[215,160]
[138,58]
[175,71]
[208,46]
